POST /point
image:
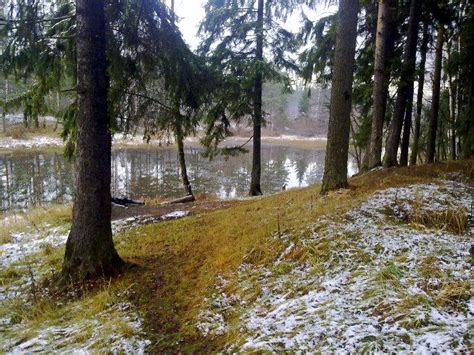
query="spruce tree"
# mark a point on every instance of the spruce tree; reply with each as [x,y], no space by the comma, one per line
[237,36]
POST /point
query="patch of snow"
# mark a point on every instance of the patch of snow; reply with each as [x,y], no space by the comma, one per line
[24,244]
[286,137]
[132,222]
[135,140]
[346,308]
[90,335]
[33,142]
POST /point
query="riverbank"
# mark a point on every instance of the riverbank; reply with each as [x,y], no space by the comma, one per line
[383,266]
[20,139]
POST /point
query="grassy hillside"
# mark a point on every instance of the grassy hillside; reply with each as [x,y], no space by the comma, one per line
[270,273]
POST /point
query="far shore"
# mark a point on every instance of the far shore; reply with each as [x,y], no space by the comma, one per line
[48,140]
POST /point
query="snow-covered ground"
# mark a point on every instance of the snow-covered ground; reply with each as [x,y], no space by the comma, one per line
[377,280]
[130,140]
[33,142]
[117,328]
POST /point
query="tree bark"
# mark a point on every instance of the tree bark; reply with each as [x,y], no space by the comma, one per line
[419,95]
[407,74]
[335,167]
[452,103]
[255,189]
[433,125]
[90,251]
[468,142]
[407,127]
[182,161]
[381,76]
[4,121]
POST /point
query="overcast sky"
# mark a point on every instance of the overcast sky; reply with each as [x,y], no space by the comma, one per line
[190,12]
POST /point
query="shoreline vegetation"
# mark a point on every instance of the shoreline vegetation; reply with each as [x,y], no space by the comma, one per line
[212,280]
[47,139]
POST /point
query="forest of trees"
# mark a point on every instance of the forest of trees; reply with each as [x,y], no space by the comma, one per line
[103,67]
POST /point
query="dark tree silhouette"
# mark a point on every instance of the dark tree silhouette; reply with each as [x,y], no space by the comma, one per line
[335,168]
[90,251]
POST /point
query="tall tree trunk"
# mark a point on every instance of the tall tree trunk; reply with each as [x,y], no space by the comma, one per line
[385,23]
[419,95]
[90,251]
[180,138]
[453,100]
[335,167]
[407,74]
[431,148]
[407,127]
[25,116]
[452,104]
[468,143]
[255,189]
[4,113]
[182,161]
[36,120]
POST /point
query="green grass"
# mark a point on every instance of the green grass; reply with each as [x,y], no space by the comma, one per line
[33,219]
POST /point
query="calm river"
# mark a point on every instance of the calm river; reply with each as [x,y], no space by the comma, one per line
[33,179]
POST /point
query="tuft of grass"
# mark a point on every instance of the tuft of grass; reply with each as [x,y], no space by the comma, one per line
[454,295]
[391,273]
[428,268]
[452,220]
[282,268]
[11,272]
[16,132]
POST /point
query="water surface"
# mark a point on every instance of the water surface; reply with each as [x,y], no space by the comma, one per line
[33,179]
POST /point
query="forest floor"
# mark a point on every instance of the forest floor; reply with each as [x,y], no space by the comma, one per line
[383,266]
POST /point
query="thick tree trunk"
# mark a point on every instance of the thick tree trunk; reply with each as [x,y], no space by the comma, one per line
[452,104]
[453,99]
[419,96]
[468,143]
[335,167]
[182,161]
[407,74]
[255,189]
[385,24]
[431,148]
[4,121]
[407,127]
[90,251]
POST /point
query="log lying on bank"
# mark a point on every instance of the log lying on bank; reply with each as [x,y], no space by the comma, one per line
[125,202]
[185,199]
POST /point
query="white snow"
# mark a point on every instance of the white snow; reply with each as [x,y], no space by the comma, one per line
[33,142]
[90,335]
[340,303]
[24,244]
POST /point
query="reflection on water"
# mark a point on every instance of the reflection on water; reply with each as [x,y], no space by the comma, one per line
[32,179]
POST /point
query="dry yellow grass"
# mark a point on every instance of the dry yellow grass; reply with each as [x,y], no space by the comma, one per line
[182,258]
